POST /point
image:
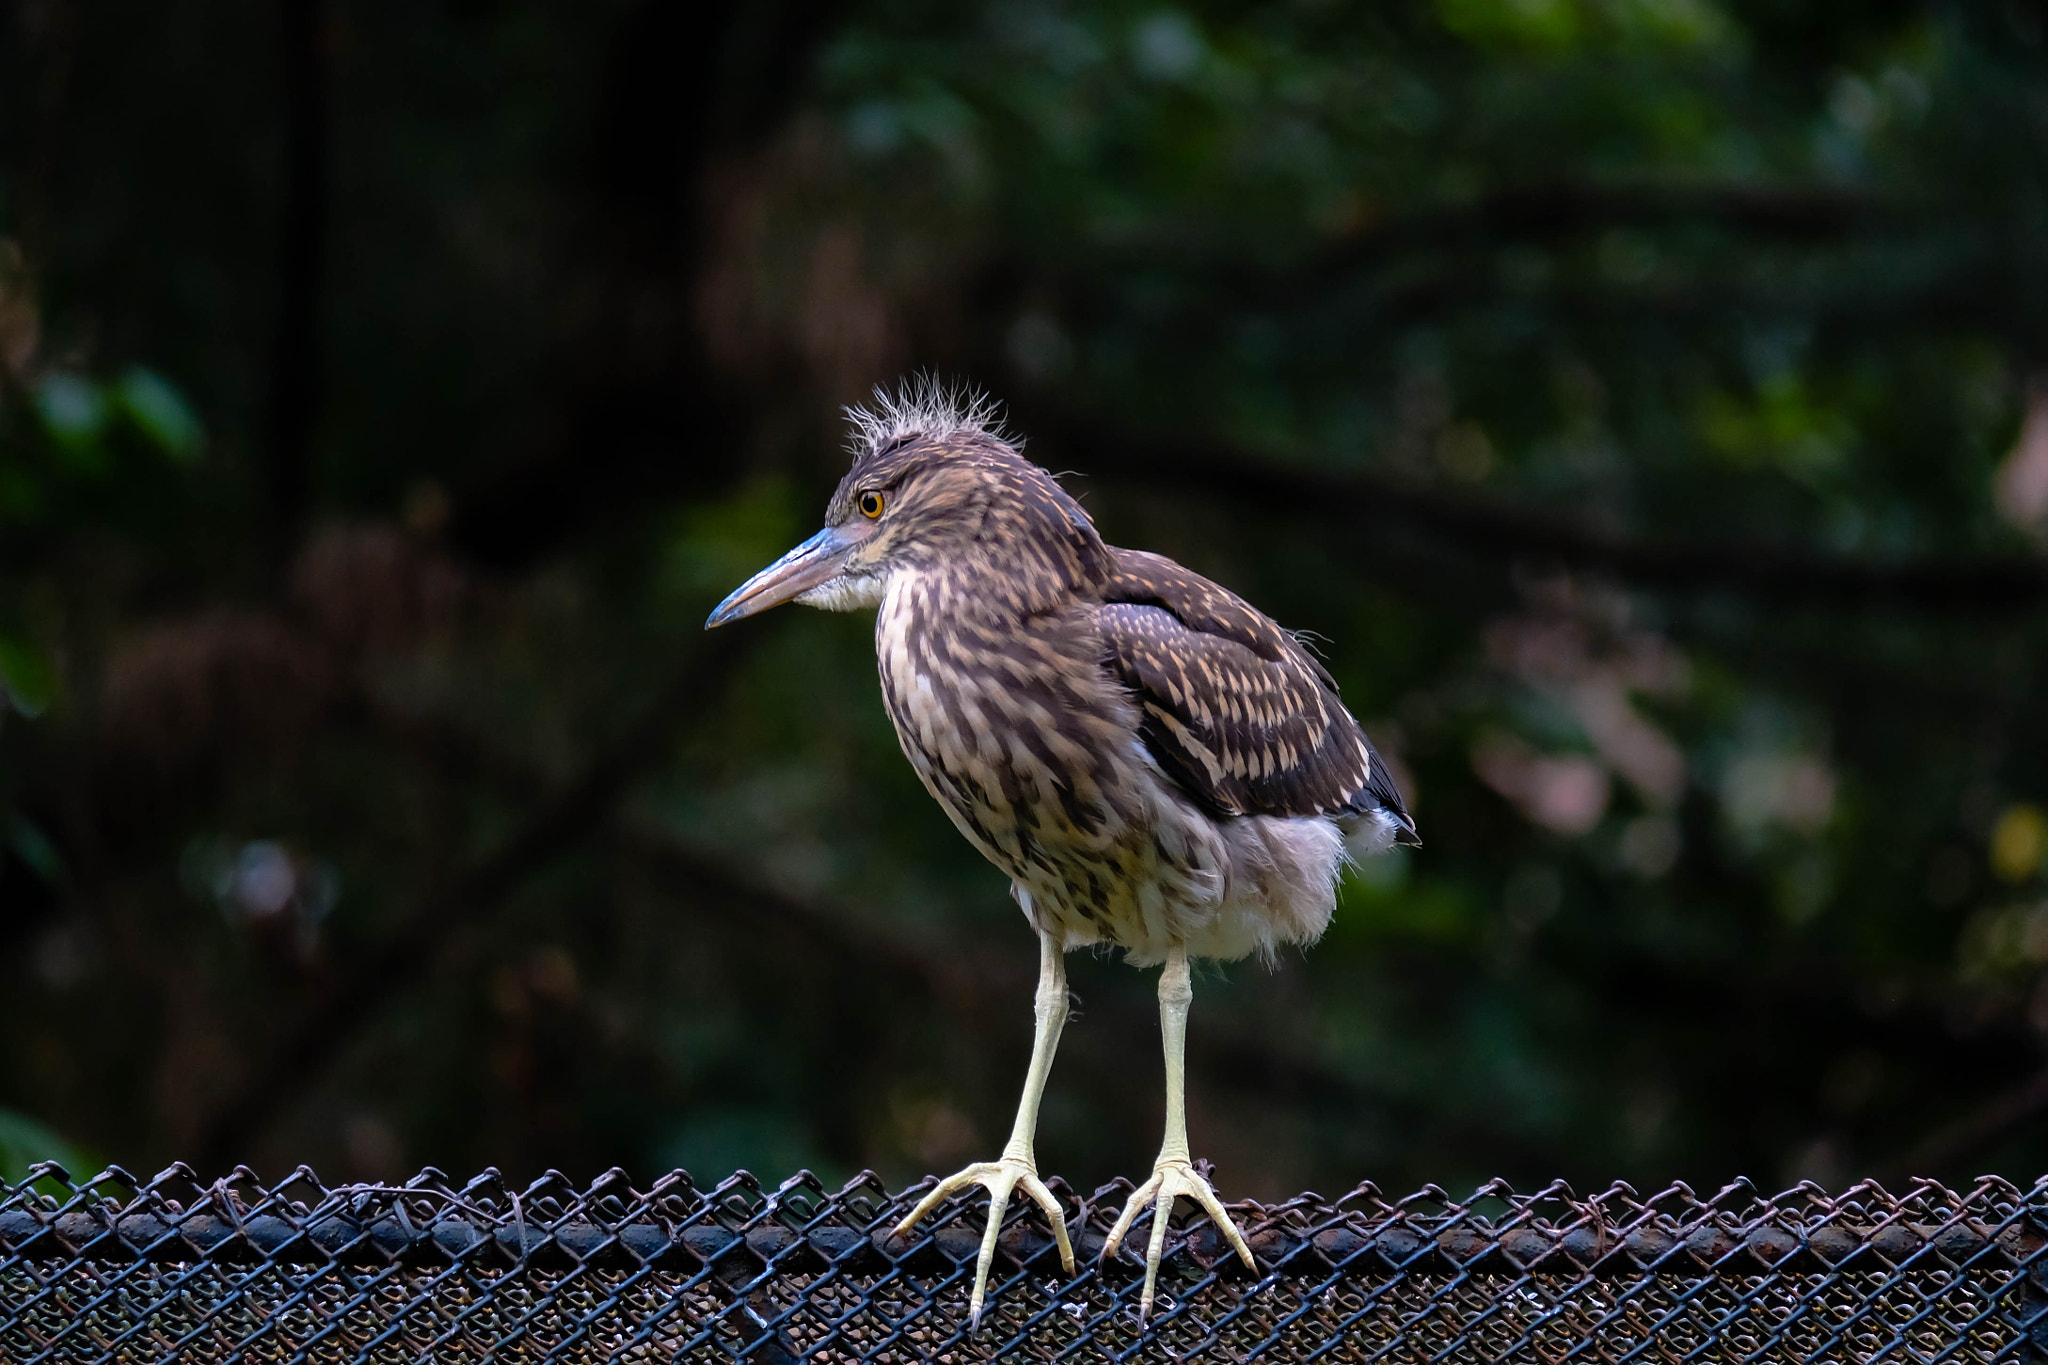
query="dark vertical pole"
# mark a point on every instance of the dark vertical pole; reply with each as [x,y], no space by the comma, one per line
[295,351]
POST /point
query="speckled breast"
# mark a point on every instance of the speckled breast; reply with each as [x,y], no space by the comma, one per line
[1033,752]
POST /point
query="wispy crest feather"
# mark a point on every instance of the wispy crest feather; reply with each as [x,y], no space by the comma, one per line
[924,405]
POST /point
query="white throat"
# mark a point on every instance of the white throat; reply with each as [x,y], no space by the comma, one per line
[848,592]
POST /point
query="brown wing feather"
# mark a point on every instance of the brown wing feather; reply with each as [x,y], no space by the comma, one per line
[1234,708]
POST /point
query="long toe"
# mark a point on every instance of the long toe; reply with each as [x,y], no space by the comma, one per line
[1140,1200]
[1200,1191]
[978,1174]
[1171,1180]
[998,1204]
[1000,1179]
[1054,1215]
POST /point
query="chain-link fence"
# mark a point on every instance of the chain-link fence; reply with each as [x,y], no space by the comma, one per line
[119,1270]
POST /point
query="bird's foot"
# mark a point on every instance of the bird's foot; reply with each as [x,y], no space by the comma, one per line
[1171,1178]
[1000,1179]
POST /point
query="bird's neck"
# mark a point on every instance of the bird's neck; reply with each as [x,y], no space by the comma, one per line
[1018,578]
[986,595]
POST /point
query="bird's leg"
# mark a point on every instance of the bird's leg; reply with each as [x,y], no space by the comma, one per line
[1018,1166]
[1173,1174]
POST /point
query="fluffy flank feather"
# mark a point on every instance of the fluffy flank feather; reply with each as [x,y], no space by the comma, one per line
[924,405]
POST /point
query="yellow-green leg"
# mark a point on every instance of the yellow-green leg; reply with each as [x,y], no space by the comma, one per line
[1173,1174]
[1018,1166]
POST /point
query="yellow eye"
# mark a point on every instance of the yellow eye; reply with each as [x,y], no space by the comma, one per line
[870,504]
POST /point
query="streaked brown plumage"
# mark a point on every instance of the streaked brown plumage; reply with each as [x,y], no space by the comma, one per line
[1153,762]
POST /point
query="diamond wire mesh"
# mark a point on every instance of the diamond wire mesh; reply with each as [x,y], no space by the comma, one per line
[118,1270]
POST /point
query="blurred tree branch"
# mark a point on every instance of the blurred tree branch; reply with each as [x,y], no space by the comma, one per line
[1963,1138]
[1426,263]
[412,951]
[1499,533]
[1535,211]
[958,974]
[1559,208]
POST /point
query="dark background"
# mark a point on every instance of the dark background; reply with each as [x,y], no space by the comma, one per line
[1642,400]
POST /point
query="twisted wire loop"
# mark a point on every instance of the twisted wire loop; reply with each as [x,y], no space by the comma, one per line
[115,1269]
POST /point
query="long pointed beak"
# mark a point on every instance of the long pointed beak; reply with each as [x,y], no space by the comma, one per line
[816,561]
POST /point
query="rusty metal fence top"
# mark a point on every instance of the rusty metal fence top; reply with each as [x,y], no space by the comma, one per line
[118,1269]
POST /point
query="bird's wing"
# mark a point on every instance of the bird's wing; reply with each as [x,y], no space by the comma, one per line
[1234,708]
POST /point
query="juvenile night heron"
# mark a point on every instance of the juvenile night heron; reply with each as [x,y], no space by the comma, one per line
[1154,763]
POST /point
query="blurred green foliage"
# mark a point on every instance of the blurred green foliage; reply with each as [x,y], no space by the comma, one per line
[1641,400]
[24,1142]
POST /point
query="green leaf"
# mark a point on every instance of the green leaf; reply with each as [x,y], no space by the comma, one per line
[21,494]
[27,676]
[34,848]
[74,412]
[160,412]
[23,1142]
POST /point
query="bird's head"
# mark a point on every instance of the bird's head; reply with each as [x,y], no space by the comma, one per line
[933,485]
